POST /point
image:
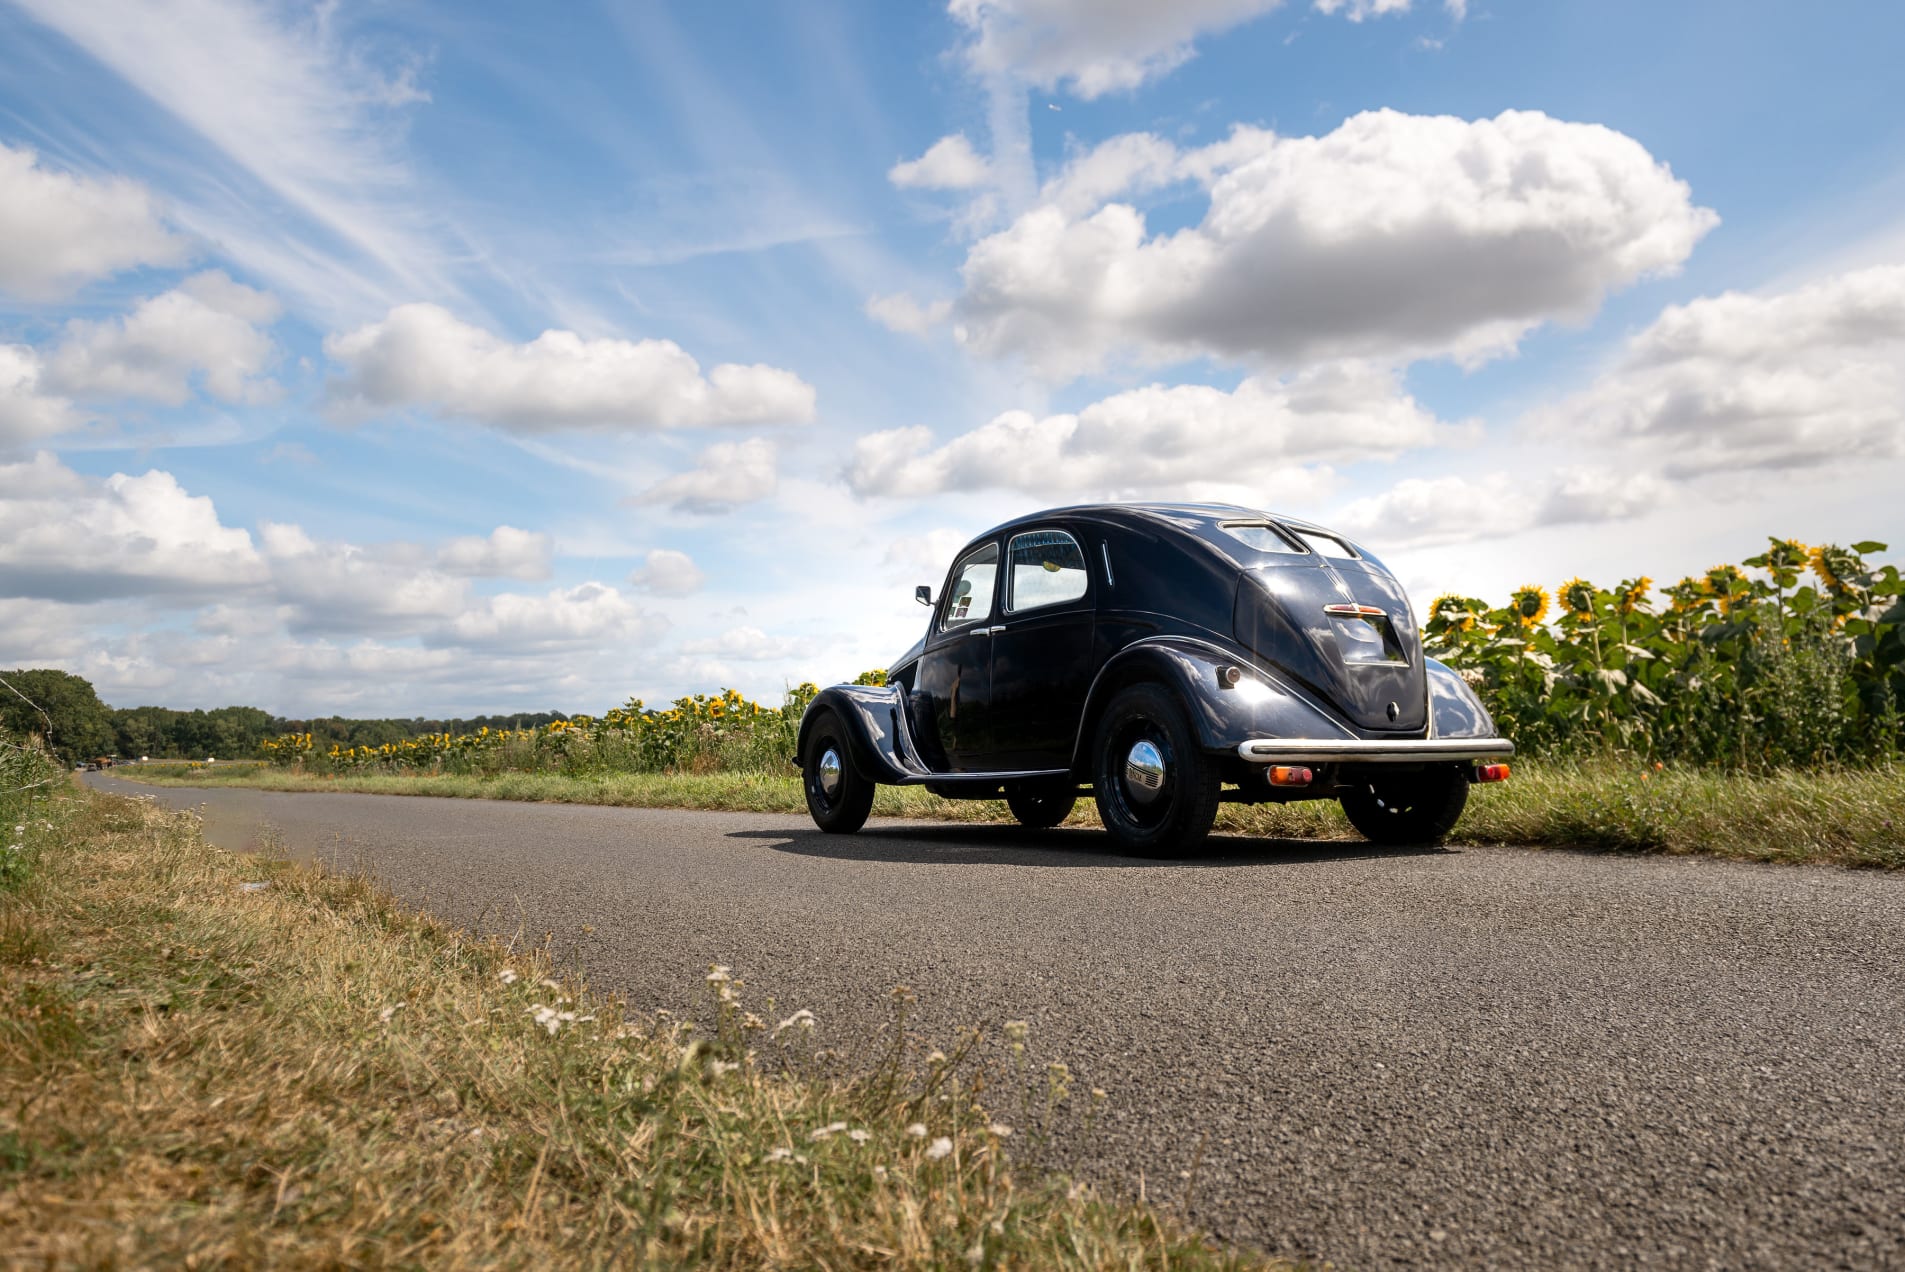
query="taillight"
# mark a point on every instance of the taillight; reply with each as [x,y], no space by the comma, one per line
[1491,773]
[1290,775]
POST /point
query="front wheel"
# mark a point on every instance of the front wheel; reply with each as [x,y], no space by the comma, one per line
[838,798]
[1156,789]
[1408,808]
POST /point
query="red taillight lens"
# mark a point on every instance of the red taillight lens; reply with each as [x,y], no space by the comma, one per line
[1290,775]
[1491,772]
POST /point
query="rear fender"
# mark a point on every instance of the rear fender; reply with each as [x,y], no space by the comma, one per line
[875,721]
[1454,710]
[1261,706]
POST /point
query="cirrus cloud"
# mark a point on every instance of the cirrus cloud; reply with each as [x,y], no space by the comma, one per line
[421,355]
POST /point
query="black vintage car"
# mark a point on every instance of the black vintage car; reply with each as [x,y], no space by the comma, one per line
[1166,657]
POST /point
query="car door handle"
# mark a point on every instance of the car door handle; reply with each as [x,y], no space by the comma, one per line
[987,631]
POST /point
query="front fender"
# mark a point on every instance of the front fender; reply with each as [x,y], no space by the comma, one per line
[877,737]
[1261,705]
[1454,710]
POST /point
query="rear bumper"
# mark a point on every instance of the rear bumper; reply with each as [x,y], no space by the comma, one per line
[1372,750]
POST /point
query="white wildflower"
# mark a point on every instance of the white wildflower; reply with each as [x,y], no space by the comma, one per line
[717,974]
[508,976]
[859,1136]
[879,1172]
[384,1016]
[917,1130]
[785,1155]
[1000,1129]
[939,1148]
[721,1068]
[824,1132]
[802,1020]
[550,984]
[548,1017]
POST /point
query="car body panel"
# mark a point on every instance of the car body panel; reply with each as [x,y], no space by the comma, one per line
[1176,593]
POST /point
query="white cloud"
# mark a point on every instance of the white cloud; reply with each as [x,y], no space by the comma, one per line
[589,613]
[922,558]
[422,355]
[27,411]
[209,328]
[347,587]
[505,553]
[666,572]
[1814,375]
[1092,47]
[725,476]
[71,538]
[1394,236]
[1425,512]
[948,164]
[1358,10]
[751,644]
[1158,441]
[900,312]
[58,230]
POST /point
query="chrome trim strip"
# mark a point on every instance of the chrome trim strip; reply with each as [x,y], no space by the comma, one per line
[1375,750]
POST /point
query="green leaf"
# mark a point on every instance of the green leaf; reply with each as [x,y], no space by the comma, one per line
[1868,546]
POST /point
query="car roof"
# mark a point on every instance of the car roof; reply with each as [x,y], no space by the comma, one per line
[1200,519]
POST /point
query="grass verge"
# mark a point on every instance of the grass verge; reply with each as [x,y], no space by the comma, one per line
[1848,817]
[208,1058]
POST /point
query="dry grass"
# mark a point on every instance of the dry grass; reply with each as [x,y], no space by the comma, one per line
[199,1070]
[1849,817]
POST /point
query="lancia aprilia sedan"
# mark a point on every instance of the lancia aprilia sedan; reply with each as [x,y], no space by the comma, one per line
[1165,657]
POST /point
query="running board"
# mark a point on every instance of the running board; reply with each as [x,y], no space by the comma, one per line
[1373,750]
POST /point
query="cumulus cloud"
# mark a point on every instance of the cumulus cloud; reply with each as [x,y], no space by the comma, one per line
[900,312]
[588,613]
[347,587]
[751,644]
[1159,441]
[1429,511]
[28,412]
[948,164]
[725,476]
[1092,47]
[1394,236]
[421,355]
[58,230]
[1359,10]
[67,537]
[209,328]
[666,572]
[505,553]
[1809,376]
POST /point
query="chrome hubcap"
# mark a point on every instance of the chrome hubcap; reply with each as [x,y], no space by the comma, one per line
[829,772]
[1144,771]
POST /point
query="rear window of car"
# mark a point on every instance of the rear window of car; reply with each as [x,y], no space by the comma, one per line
[1048,568]
[1261,536]
[1327,545]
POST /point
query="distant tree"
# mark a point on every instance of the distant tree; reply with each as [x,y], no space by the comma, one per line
[61,708]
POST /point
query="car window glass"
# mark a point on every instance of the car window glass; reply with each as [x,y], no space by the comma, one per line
[1048,567]
[1327,545]
[1261,537]
[970,597]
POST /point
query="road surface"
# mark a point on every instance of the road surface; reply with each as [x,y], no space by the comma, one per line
[1474,1057]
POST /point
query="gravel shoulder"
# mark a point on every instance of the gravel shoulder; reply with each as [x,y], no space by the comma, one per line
[1384,1059]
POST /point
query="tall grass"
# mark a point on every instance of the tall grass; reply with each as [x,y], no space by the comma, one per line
[209,1059]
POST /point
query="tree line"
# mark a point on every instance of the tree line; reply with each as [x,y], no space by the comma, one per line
[65,710]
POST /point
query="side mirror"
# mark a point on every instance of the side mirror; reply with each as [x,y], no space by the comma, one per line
[923,594]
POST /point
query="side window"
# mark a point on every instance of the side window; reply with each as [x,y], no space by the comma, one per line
[1048,568]
[970,597]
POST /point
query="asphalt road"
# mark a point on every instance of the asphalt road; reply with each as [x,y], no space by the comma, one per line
[1453,1059]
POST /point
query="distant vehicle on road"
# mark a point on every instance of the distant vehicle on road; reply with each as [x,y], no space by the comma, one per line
[1165,658]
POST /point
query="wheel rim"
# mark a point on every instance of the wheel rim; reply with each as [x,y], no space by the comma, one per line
[828,773]
[825,776]
[1140,752]
[1144,772]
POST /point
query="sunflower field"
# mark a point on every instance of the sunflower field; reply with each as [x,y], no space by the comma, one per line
[1794,657]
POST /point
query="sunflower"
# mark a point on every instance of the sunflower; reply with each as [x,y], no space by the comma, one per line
[1633,594]
[1728,583]
[1577,597]
[1529,603]
[1835,567]
[1788,554]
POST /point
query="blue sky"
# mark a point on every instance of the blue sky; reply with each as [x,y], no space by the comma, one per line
[423,358]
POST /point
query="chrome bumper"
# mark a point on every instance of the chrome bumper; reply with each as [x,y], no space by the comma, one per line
[1373,750]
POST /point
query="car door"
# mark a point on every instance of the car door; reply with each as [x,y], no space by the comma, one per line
[955,668]
[1041,651]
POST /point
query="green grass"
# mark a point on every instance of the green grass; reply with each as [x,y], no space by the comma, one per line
[1850,817]
[209,1059]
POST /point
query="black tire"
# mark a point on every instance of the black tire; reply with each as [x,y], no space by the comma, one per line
[1177,817]
[1042,807]
[844,809]
[1408,808]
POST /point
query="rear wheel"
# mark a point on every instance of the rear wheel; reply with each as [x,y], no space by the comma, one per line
[1156,790]
[1042,807]
[1408,808]
[838,798]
